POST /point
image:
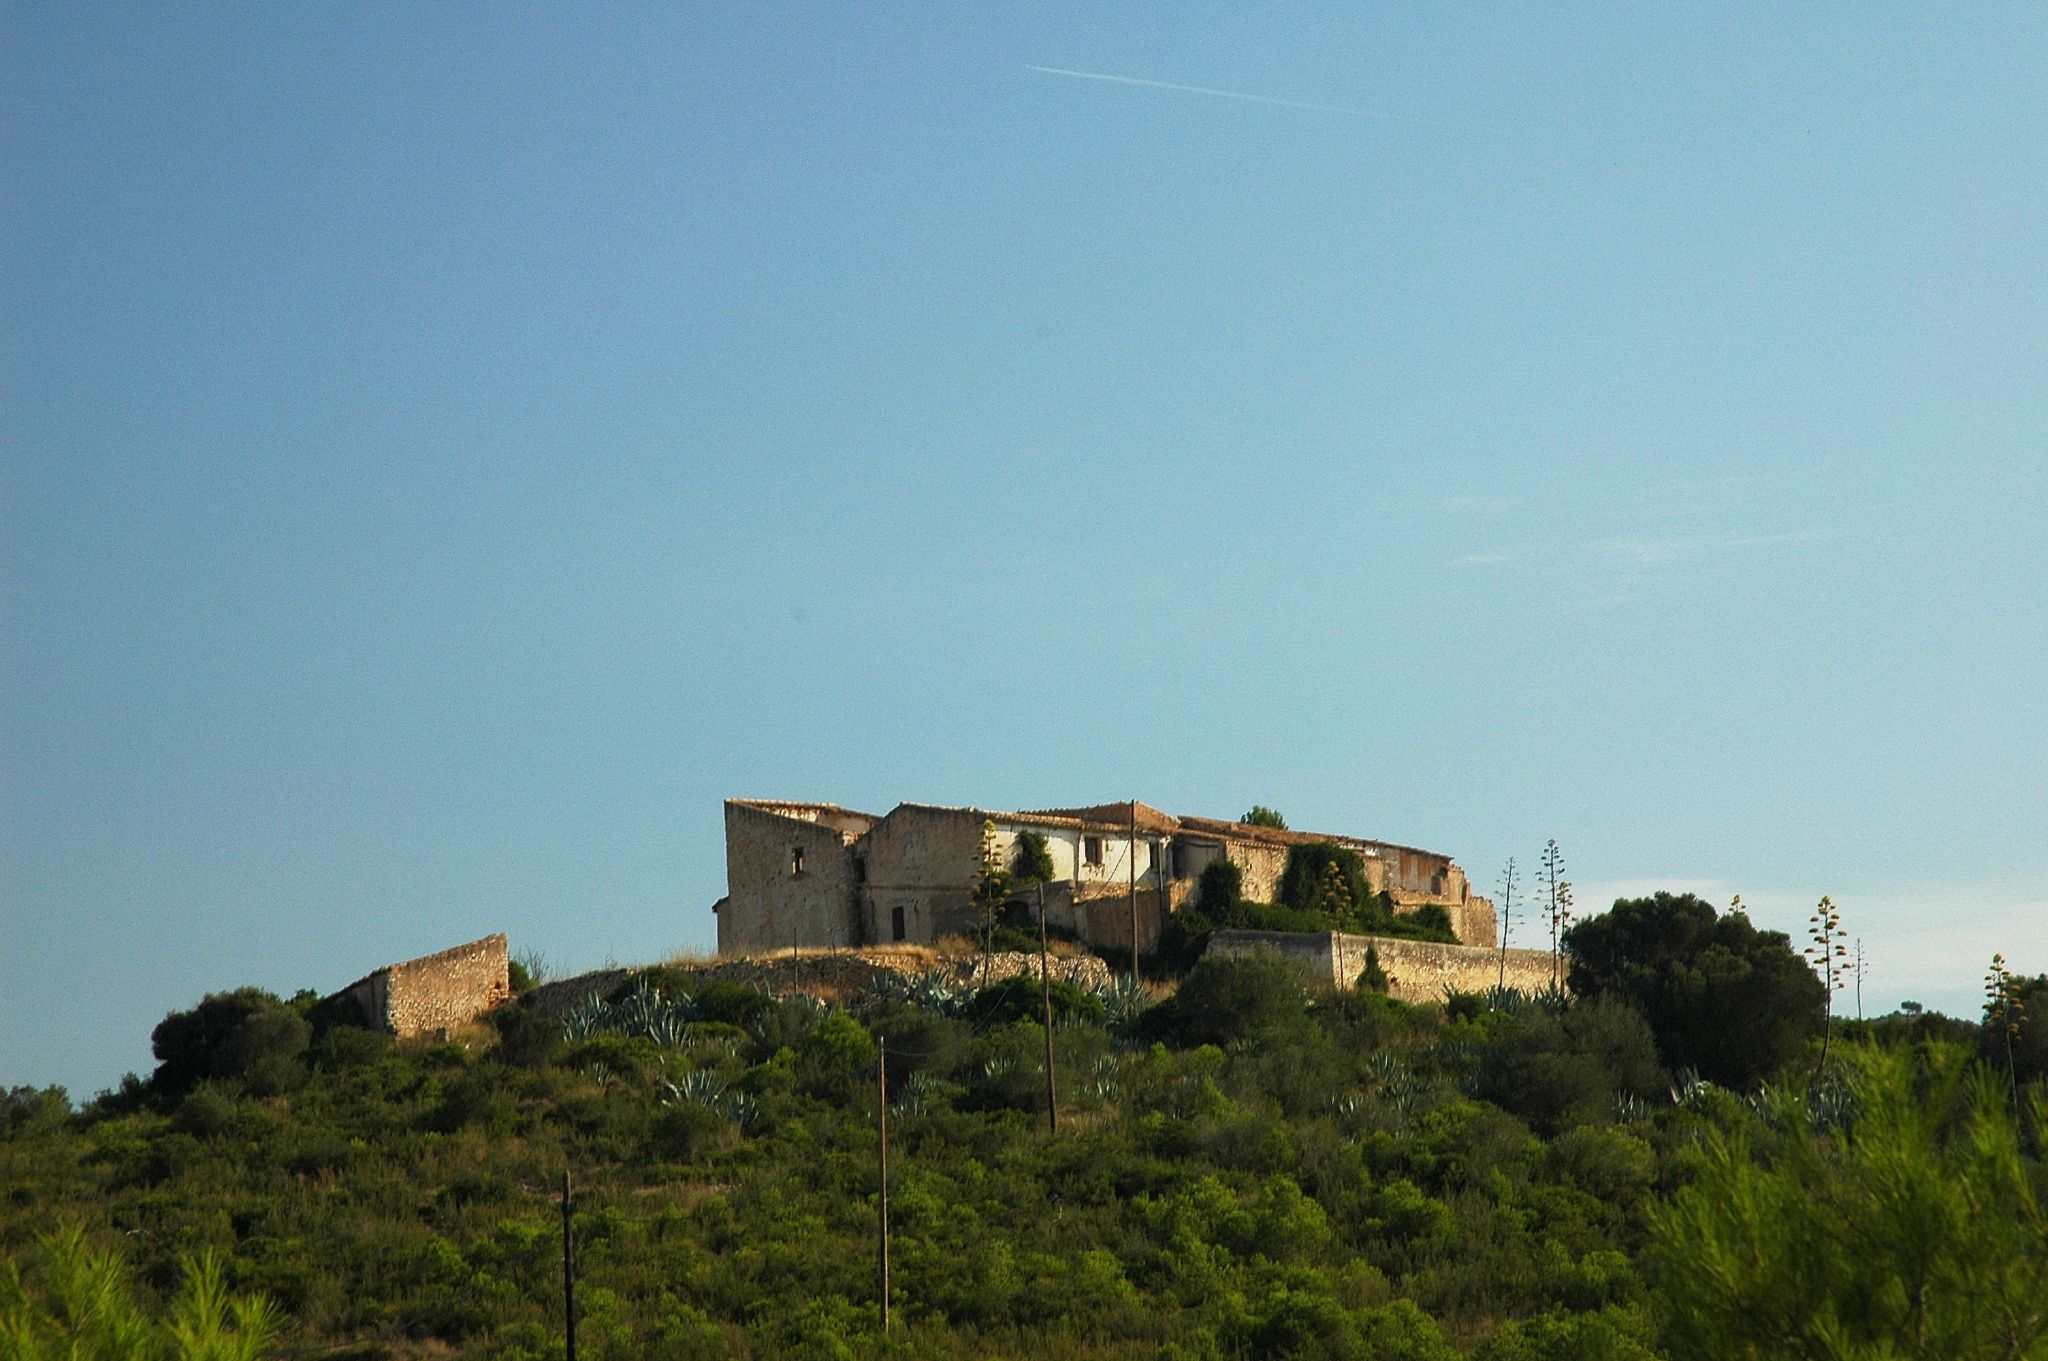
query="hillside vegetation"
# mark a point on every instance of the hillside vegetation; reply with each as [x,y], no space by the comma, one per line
[1241,1170]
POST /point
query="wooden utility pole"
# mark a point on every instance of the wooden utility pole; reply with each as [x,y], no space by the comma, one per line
[568,1271]
[1052,1109]
[882,1202]
[1134,892]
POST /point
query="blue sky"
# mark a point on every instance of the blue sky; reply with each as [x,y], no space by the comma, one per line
[448,449]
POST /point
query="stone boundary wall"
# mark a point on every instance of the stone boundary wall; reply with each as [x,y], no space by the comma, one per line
[1417,970]
[834,975]
[435,992]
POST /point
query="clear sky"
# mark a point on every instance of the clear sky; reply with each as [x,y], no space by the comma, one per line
[449,448]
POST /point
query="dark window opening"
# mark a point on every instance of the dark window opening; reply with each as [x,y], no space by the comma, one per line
[860,870]
[1091,849]
[796,861]
[896,923]
[1180,861]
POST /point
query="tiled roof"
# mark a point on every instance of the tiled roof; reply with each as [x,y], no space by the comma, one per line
[1114,816]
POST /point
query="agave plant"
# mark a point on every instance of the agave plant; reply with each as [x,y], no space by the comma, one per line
[1506,1000]
[587,1018]
[1123,998]
[699,1084]
[1688,1088]
[1629,1108]
[739,1108]
[669,1030]
[915,1094]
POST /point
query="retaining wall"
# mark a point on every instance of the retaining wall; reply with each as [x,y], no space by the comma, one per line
[1417,970]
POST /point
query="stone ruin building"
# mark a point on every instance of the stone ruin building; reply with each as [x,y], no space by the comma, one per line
[818,875]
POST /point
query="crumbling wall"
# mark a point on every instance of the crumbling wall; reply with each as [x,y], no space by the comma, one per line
[1261,866]
[1106,920]
[790,879]
[1473,921]
[920,862]
[1417,970]
[434,992]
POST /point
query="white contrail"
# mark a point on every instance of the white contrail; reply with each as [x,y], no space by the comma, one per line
[1217,94]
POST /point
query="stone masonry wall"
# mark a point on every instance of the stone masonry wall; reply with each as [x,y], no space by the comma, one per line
[791,882]
[437,991]
[1417,970]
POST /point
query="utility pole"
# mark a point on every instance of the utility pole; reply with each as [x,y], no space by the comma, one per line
[882,1203]
[1134,893]
[568,1270]
[1052,1108]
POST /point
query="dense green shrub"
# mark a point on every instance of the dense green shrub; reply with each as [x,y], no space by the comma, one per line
[1243,1171]
[26,1112]
[1233,998]
[1558,1071]
[526,1037]
[1021,997]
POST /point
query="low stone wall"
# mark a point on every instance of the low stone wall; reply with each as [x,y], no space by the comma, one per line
[1417,970]
[835,975]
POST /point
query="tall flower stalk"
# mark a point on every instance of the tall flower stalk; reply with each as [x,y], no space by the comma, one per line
[1827,951]
[1557,908]
[1507,916]
[2004,1014]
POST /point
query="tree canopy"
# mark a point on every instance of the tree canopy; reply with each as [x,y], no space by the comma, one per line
[1721,997]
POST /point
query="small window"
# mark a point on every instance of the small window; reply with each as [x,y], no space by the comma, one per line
[796,861]
[1179,858]
[1091,849]
[896,923]
[860,869]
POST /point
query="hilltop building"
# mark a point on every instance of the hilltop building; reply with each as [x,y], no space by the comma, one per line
[816,874]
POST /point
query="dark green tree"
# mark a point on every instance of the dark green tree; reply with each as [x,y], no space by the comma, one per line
[1322,877]
[1220,889]
[1721,997]
[247,1037]
[1032,863]
[991,886]
[1262,816]
[1373,978]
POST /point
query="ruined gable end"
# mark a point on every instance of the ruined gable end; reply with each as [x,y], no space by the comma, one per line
[435,992]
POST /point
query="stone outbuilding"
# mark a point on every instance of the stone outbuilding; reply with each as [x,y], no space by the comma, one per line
[818,875]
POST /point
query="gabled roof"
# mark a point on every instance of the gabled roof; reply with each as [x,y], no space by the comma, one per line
[1149,819]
